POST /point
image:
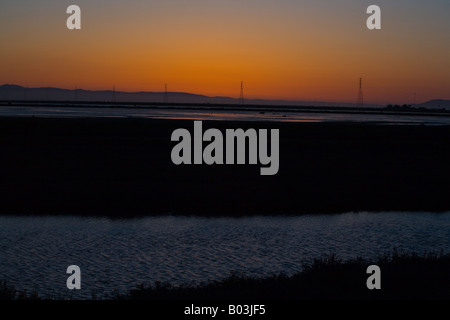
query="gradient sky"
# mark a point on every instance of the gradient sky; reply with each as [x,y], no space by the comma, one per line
[283,49]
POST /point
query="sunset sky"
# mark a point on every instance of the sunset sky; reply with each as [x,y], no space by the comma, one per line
[284,49]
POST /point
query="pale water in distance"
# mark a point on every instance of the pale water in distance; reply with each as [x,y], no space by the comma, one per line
[205,114]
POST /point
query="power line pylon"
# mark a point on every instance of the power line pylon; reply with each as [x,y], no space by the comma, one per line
[166,96]
[241,96]
[360,100]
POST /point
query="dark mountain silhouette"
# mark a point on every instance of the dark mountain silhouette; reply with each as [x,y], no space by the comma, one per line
[435,104]
[15,92]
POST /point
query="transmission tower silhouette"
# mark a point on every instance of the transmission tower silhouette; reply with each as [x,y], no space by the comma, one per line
[360,100]
[241,96]
[166,97]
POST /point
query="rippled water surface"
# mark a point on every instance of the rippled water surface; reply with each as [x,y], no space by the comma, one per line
[119,254]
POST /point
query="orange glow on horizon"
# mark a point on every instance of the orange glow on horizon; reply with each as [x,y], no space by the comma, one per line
[289,52]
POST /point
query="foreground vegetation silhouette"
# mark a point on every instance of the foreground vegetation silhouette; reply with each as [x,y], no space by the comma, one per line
[403,276]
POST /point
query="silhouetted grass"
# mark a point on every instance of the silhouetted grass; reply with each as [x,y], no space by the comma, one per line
[403,276]
[9,292]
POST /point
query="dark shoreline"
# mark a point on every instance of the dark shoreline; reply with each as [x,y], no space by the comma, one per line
[122,168]
[327,278]
[404,276]
[388,110]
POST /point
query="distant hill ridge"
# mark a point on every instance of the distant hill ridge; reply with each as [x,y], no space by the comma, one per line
[15,92]
[436,104]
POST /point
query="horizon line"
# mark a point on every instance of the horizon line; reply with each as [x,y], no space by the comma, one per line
[207,96]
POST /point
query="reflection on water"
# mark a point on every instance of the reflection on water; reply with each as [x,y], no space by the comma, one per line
[119,254]
[191,113]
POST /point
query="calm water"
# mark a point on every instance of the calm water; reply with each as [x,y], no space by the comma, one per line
[205,114]
[119,254]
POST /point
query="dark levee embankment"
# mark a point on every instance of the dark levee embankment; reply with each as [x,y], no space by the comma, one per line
[123,168]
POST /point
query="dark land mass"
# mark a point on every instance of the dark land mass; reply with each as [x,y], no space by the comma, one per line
[123,168]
